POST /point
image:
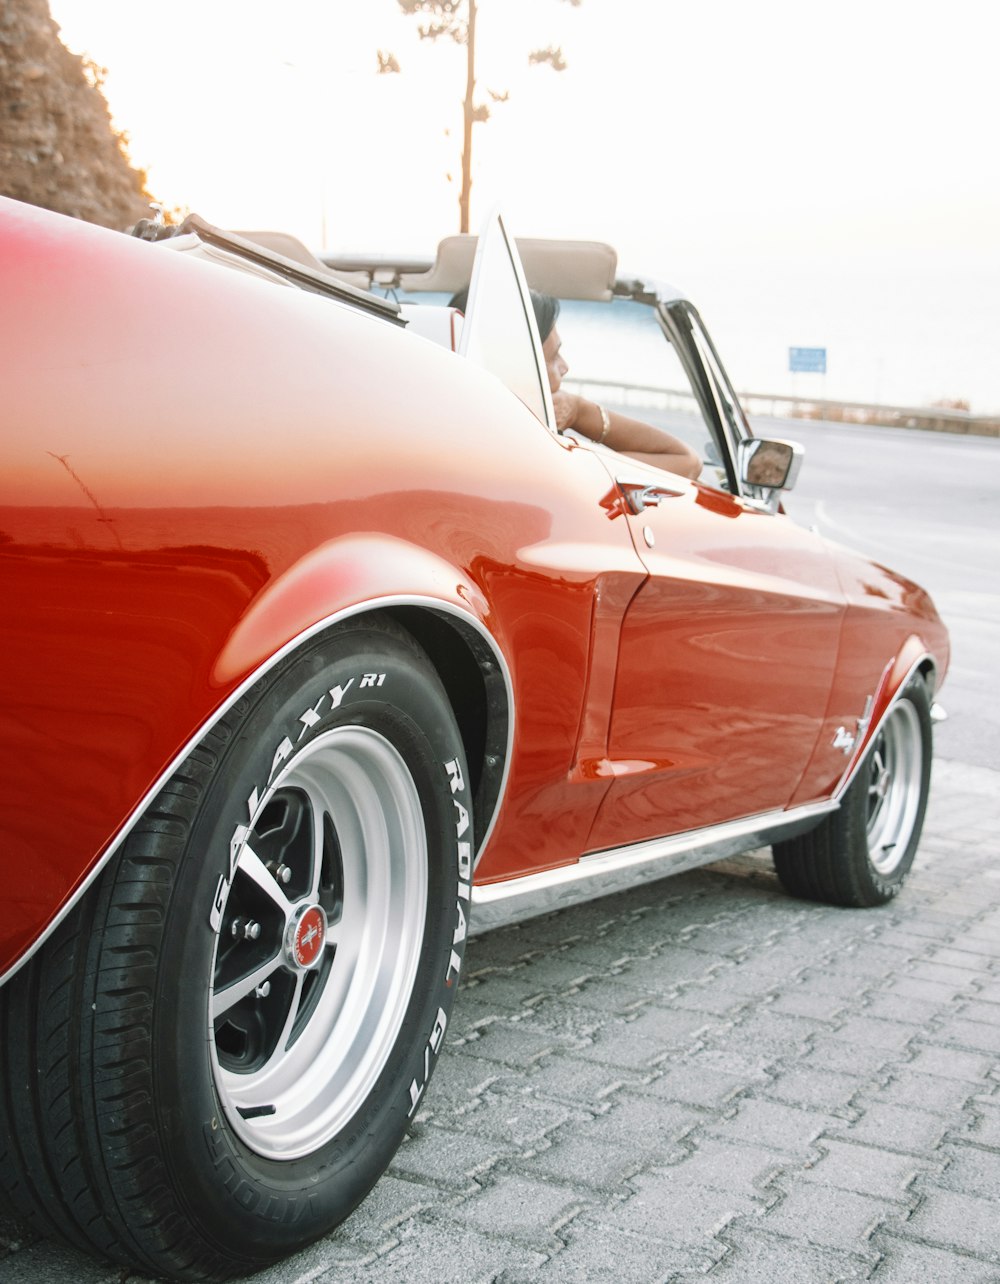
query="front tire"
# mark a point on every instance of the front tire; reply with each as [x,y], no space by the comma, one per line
[860,855]
[225,1042]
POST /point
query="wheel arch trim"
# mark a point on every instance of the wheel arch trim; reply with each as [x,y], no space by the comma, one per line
[462,618]
[896,676]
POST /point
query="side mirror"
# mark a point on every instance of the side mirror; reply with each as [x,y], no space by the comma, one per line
[769,465]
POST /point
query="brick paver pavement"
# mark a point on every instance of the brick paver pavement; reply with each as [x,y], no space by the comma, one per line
[704,1078]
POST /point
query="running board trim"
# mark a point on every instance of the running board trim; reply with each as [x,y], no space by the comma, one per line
[603,873]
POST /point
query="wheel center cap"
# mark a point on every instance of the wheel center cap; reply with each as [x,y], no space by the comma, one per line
[305,937]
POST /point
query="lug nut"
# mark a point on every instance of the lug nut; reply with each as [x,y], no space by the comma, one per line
[245,927]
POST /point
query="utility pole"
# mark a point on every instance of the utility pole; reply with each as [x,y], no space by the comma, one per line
[468,120]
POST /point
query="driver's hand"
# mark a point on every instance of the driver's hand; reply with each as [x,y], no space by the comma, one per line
[567,408]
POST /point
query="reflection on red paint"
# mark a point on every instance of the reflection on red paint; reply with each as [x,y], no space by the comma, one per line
[200,468]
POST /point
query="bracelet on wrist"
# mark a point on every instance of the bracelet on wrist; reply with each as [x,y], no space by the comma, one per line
[605,425]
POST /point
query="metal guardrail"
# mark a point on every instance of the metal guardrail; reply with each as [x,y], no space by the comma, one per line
[931,418]
[781,405]
[635,394]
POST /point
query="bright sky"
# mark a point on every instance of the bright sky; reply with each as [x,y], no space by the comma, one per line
[810,174]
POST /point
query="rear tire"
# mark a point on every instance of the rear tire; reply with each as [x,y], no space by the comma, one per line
[860,855]
[218,1053]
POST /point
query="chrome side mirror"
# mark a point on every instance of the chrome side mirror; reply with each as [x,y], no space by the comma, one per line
[769,464]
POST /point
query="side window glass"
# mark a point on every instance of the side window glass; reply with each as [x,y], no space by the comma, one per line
[730,410]
[500,332]
[619,355]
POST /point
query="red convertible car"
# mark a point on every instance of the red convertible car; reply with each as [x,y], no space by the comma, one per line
[321,641]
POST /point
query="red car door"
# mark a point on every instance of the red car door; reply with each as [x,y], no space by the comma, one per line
[729,648]
[725,665]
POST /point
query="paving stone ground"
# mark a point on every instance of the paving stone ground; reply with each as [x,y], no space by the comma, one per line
[703,1079]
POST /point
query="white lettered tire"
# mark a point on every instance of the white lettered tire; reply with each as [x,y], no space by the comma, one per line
[860,854]
[233,1030]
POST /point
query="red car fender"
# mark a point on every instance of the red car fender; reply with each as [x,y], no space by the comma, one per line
[341,575]
[913,656]
[38,899]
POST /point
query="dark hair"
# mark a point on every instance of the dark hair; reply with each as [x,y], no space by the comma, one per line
[546,312]
[546,309]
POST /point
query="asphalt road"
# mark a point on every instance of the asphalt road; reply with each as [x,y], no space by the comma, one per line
[704,1079]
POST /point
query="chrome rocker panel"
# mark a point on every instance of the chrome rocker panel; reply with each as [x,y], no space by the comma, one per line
[603,873]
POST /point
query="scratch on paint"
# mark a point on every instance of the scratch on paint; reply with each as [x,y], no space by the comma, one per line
[101,514]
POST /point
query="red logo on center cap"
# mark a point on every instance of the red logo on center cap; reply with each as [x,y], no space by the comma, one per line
[310,933]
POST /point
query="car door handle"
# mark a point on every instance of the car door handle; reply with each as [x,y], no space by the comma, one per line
[640,495]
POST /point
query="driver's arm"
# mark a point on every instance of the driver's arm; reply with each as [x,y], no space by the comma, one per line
[627,436]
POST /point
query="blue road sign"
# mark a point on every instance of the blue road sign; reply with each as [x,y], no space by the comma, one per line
[808,360]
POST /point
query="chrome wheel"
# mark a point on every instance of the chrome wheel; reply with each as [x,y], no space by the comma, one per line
[319,927]
[894,789]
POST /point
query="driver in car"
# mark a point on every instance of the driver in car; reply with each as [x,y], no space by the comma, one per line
[630,437]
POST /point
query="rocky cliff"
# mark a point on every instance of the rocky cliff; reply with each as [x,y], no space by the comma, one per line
[58,148]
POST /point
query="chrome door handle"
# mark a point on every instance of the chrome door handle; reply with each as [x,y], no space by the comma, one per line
[640,495]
